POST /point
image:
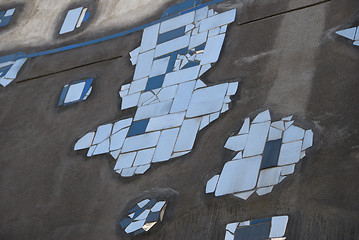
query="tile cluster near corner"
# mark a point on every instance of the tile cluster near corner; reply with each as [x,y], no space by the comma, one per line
[144,216]
[266,152]
[75,92]
[74,19]
[5,16]
[9,70]
[260,229]
[350,33]
[172,103]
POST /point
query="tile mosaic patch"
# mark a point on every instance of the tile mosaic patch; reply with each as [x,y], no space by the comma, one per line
[350,33]
[266,152]
[142,217]
[5,16]
[173,104]
[75,92]
[9,70]
[261,229]
[74,18]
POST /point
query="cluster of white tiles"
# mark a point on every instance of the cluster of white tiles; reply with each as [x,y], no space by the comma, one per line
[261,229]
[266,153]
[173,103]
[74,18]
[350,33]
[12,68]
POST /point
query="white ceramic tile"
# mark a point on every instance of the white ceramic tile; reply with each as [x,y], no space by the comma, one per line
[144,157]
[117,139]
[256,139]
[117,126]
[178,154]
[289,153]
[102,147]
[214,31]
[143,215]
[265,190]
[200,84]
[356,43]
[81,18]
[138,85]
[148,226]
[262,117]
[183,97]
[129,101]
[71,20]
[85,141]
[244,195]
[91,150]
[74,93]
[149,37]
[201,14]
[198,57]
[4,64]
[88,93]
[228,236]
[211,184]
[143,141]
[218,20]
[213,49]
[204,122]
[289,118]
[142,169]
[245,223]
[102,132]
[184,62]
[165,121]
[189,27]
[268,177]
[158,206]
[223,29]
[213,116]
[357,34]
[286,170]
[134,53]
[115,154]
[274,134]
[281,178]
[181,76]
[144,64]
[198,39]
[238,175]
[287,124]
[167,93]
[177,22]
[13,71]
[348,33]
[128,172]
[9,12]
[225,108]
[279,225]
[210,12]
[123,93]
[143,203]
[232,88]
[302,154]
[159,66]
[308,140]
[236,143]
[172,45]
[238,156]
[245,127]
[278,125]
[125,160]
[204,69]
[187,134]
[145,97]
[293,133]
[232,227]
[207,100]
[165,145]
[153,110]
[134,226]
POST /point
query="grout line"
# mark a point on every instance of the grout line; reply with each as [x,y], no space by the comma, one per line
[68,69]
[282,13]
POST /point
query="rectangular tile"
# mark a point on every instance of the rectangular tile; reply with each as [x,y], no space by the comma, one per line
[218,20]
[187,134]
[271,153]
[177,22]
[154,82]
[165,145]
[180,76]
[165,121]
[197,40]
[74,93]
[144,64]
[140,142]
[159,66]
[138,85]
[144,157]
[213,49]
[149,38]
[256,139]
[71,20]
[138,127]
[153,110]
[183,97]
[167,36]
[125,160]
[173,45]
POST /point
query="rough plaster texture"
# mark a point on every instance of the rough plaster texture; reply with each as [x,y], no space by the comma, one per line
[288,63]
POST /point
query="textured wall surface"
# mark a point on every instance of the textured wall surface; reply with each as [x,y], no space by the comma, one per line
[286,57]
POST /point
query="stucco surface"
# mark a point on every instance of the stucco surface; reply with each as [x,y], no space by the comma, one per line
[286,58]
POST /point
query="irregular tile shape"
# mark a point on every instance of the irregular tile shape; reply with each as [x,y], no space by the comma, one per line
[71,19]
[75,92]
[85,141]
[211,184]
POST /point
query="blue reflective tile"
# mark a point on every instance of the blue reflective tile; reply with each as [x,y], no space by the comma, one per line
[138,212]
[63,95]
[201,47]
[4,70]
[134,209]
[164,37]
[262,220]
[172,62]
[86,88]
[183,51]
[2,14]
[163,56]
[191,64]
[5,21]
[154,82]
[125,222]
[271,153]
[138,232]
[153,217]
[151,203]
[253,232]
[87,15]
[138,127]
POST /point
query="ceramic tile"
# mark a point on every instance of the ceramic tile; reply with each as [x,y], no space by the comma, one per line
[158,206]
[135,226]
[308,140]
[15,68]
[9,12]
[279,225]
[143,203]
[231,227]
[198,39]
[289,169]
[115,154]
[290,153]
[165,121]
[187,134]
[181,76]
[81,18]
[204,69]
[245,127]
[201,14]
[138,127]
[213,49]
[153,110]
[214,31]
[125,160]
[271,153]
[117,139]
[288,124]
[293,133]
[167,36]
[144,64]
[177,22]
[71,20]
[262,117]
[244,195]
[128,172]
[117,126]
[204,122]
[167,93]
[102,147]
[274,134]
[228,236]
[268,177]
[138,85]
[172,45]
[143,215]
[85,141]
[348,33]
[279,125]
[223,29]
[257,231]
[130,100]
[154,82]
[200,84]
[149,38]
[256,139]
[225,108]
[218,20]
[236,143]
[213,116]
[74,93]
[165,145]
[102,132]
[183,97]
[139,142]
[264,191]
[146,97]
[91,150]
[211,184]
[159,66]
[142,169]
[178,154]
